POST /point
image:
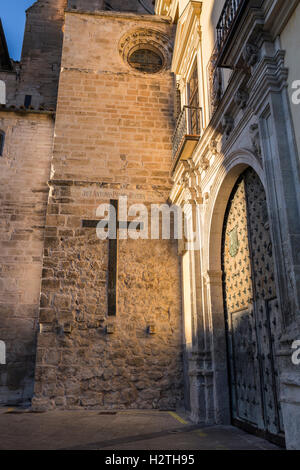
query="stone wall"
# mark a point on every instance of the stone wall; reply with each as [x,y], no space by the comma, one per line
[112,5]
[11,81]
[112,137]
[131,5]
[41,54]
[24,171]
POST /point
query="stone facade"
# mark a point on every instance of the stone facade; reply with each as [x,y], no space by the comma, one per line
[248,120]
[25,170]
[112,137]
[41,54]
[107,144]
[25,167]
[144,7]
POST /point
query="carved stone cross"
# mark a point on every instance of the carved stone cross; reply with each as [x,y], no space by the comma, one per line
[113,249]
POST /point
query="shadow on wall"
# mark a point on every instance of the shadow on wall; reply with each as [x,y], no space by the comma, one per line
[137,6]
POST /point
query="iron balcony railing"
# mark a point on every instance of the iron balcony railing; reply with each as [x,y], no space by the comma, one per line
[215,80]
[230,12]
[188,127]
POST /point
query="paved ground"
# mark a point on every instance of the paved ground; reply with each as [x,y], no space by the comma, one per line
[125,430]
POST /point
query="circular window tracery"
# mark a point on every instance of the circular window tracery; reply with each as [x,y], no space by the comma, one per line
[146,60]
[146,50]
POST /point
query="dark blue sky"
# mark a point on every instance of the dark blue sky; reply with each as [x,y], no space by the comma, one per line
[12,13]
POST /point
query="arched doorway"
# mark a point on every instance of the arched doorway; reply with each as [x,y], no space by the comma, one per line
[252,316]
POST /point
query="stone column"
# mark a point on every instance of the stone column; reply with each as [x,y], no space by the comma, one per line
[218,347]
[201,388]
[199,375]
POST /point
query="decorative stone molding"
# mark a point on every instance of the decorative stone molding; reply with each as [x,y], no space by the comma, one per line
[204,163]
[251,54]
[241,98]
[181,84]
[213,277]
[189,183]
[255,139]
[213,147]
[184,180]
[152,39]
[162,7]
[206,197]
[227,124]
[200,363]
[192,169]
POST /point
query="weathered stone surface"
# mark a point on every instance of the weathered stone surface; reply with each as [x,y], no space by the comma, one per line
[40,70]
[23,200]
[120,151]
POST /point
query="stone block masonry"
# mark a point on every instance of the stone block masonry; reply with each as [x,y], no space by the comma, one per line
[41,54]
[24,171]
[112,137]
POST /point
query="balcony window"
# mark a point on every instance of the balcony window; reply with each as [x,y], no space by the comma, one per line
[193,101]
[189,122]
[187,133]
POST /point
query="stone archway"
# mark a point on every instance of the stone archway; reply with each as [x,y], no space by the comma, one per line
[233,166]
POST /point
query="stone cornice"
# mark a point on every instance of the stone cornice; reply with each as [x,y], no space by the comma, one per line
[269,74]
[108,185]
[27,112]
[120,15]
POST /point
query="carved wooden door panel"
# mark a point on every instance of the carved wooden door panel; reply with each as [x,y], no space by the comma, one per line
[251,308]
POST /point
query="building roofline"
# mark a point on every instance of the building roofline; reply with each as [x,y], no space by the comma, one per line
[121,15]
[5,48]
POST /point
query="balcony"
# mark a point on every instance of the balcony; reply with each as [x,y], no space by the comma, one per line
[227,24]
[215,80]
[187,133]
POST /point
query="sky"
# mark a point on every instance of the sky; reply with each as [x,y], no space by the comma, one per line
[12,14]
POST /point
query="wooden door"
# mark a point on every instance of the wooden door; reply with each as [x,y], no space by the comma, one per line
[251,309]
